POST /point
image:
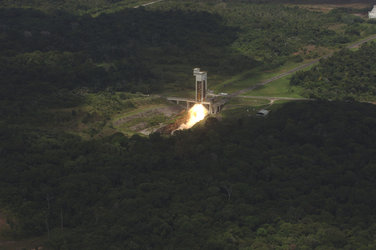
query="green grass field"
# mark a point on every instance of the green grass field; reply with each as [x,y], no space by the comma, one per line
[252,77]
[103,114]
[278,88]
[238,107]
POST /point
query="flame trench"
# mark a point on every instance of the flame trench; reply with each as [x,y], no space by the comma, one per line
[196,114]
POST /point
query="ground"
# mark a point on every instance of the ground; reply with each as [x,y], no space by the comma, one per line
[328,7]
[32,244]
[3,223]
[7,244]
[148,120]
[106,113]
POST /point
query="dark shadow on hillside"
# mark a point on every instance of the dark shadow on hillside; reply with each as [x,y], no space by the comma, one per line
[130,50]
[192,35]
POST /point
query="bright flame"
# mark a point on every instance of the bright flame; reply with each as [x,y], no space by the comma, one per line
[196,114]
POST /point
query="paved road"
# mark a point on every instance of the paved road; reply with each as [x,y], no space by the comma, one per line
[276,98]
[243,91]
[146,4]
[357,44]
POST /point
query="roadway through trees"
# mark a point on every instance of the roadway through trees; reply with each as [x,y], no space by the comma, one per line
[243,91]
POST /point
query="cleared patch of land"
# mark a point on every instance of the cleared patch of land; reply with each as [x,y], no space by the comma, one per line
[146,120]
[253,77]
[103,114]
[238,107]
[277,88]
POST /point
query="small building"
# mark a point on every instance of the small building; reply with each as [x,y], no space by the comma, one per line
[372,13]
[262,112]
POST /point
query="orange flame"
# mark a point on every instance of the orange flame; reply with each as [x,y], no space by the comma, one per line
[196,114]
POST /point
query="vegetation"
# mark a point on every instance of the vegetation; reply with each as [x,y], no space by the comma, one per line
[81,7]
[239,107]
[252,77]
[149,50]
[278,88]
[258,75]
[74,74]
[53,59]
[130,55]
[347,75]
[289,29]
[302,177]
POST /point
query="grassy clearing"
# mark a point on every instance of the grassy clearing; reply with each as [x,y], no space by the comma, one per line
[278,88]
[139,119]
[238,101]
[138,110]
[181,93]
[230,84]
[106,113]
[241,107]
[253,77]
[114,7]
[238,107]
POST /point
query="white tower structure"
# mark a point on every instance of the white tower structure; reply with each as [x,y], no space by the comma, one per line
[201,84]
[372,13]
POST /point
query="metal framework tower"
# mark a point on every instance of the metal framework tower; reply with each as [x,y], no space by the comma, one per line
[201,84]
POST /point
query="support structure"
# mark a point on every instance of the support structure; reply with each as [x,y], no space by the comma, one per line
[212,105]
[201,84]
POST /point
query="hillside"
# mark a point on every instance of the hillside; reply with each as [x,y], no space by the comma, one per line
[347,75]
[82,91]
[303,177]
[49,54]
[153,49]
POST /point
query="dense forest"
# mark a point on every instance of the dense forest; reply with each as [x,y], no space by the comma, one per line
[272,32]
[127,44]
[347,75]
[303,178]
